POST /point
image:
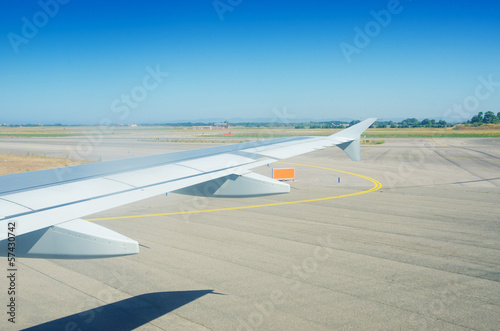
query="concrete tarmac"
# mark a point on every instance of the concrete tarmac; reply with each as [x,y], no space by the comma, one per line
[420,253]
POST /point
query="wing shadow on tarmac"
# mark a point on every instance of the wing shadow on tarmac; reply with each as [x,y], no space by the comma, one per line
[127,314]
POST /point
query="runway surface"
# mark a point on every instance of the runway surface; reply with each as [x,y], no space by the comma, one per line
[421,252]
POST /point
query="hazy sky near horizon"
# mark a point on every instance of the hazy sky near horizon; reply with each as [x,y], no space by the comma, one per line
[150,61]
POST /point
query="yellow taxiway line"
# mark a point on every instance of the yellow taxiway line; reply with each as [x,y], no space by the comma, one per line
[437,142]
[377,186]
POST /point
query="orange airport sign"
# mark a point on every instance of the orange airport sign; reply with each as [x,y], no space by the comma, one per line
[284,173]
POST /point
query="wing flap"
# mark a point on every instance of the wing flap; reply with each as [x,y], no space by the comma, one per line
[66,193]
[285,150]
[216,162]
[154,175]
[8,208]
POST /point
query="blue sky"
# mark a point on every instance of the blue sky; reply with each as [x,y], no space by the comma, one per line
[81,61]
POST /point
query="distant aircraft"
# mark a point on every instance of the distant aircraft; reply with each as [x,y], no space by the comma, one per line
[40,211]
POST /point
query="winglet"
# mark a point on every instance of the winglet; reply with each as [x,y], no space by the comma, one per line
[352,136]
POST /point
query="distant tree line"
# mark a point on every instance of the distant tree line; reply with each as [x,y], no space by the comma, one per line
[488,118]
[412,123]
[481,118]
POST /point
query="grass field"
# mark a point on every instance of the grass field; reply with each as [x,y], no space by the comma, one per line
[266,133]
[242,133]
[13,163]
[444,134]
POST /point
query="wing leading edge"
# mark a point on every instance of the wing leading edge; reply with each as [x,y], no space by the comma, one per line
[46,206]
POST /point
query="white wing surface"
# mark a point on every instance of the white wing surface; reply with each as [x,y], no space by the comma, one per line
[43,209]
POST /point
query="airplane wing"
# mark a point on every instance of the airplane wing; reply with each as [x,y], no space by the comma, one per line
[41,212]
